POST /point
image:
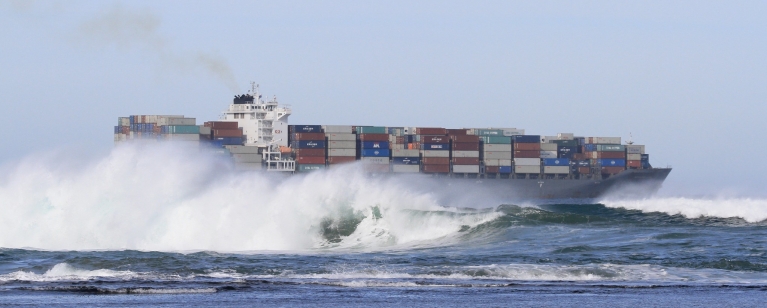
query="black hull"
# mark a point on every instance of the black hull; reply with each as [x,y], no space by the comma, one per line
[636,183]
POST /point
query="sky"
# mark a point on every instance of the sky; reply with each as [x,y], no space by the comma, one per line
[688,79]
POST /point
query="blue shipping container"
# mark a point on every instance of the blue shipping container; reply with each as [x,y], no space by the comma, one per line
[305,128]
[526,138]
[374,144]
[374,153]
[228,141]
[556,162]
[590,147]
[308,144]
[645,157]
[406,160]
[504,169]
[435,146]
[612,162]
[117,129]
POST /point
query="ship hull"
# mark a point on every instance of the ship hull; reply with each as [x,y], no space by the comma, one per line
[633,183]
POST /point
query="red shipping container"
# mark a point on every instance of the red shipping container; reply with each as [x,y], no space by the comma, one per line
[584,170]
[221,125]
[611,155]
[436,168]
[125,129]
[465,161]
[435,161]
[341,159]
[399,140]
[316,160]
[309,136]
[527,154]
[465,138]
[634,164]
[374,137]
[458,132]
[492,169]
[465,146]
[430,131]
[226,133]
[527,146]
[435,139]
[579,156]
[309,152]
[612,170]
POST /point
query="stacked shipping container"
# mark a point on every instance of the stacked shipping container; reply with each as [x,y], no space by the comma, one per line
[309,147]
[342,144]
[374,148]
[435,149]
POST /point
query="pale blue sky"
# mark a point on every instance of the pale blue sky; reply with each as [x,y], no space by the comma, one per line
[686,78]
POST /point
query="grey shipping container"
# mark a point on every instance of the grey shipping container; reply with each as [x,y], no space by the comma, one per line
[527,169]
[241,149]
[556,169]
[548,154]
[497,162]
[333,144]
[466,154]
[342,152]
[375,160]
[437,153]
[405,168]
[497,147]
[465,168]
[341,137]
[548,146]
[247,158]
[405,153]
[343,129]
[497,155]
[527,161]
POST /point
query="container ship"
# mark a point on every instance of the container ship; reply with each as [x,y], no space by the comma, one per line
[256,135]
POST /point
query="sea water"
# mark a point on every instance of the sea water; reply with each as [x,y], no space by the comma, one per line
[145,225]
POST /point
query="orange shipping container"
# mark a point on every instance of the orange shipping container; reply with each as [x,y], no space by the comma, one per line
[316,160]
[435,161]
[527,146]
[436,168]
[309,136]
[634,164]
[226,133]
[341,159]
[584,170]
[612,170]
[527,154]
[465,146]
[492,169]
[465,161]
[374,137]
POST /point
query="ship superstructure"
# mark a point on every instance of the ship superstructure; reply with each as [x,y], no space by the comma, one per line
[264,123]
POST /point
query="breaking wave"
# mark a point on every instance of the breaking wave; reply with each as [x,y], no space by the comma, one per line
[168,198]
[750,210]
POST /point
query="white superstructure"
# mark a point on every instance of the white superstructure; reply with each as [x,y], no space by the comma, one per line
[264,124]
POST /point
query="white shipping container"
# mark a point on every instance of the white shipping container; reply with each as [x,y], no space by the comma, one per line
[342,144]
[633,156]
[635,149]
[513,131]
[406,168]
[435,153]
[548,154]
[565,136]
[497,162]
[497,147]
[548,139]
[182,137]
[603,140]
[342,152]
[549,147]
[123,121]
[165,121]
[341,137]
[527,169]
[341,129]
[497,155]
[247,166]
[247,158]
[472,154]
[375,160]
[556,169]
[527,161]
[465,168]
[241,149]
[405,153]
[204,130]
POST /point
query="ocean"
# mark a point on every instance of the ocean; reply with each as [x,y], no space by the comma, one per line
[145,227]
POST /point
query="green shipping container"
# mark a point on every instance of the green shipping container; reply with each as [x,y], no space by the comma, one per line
[566,143]
[488,132]
[371,130]
[182,129]
[496,139]
[610,148]
[310,167]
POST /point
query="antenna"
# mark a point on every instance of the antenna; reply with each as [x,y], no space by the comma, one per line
[631,141]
